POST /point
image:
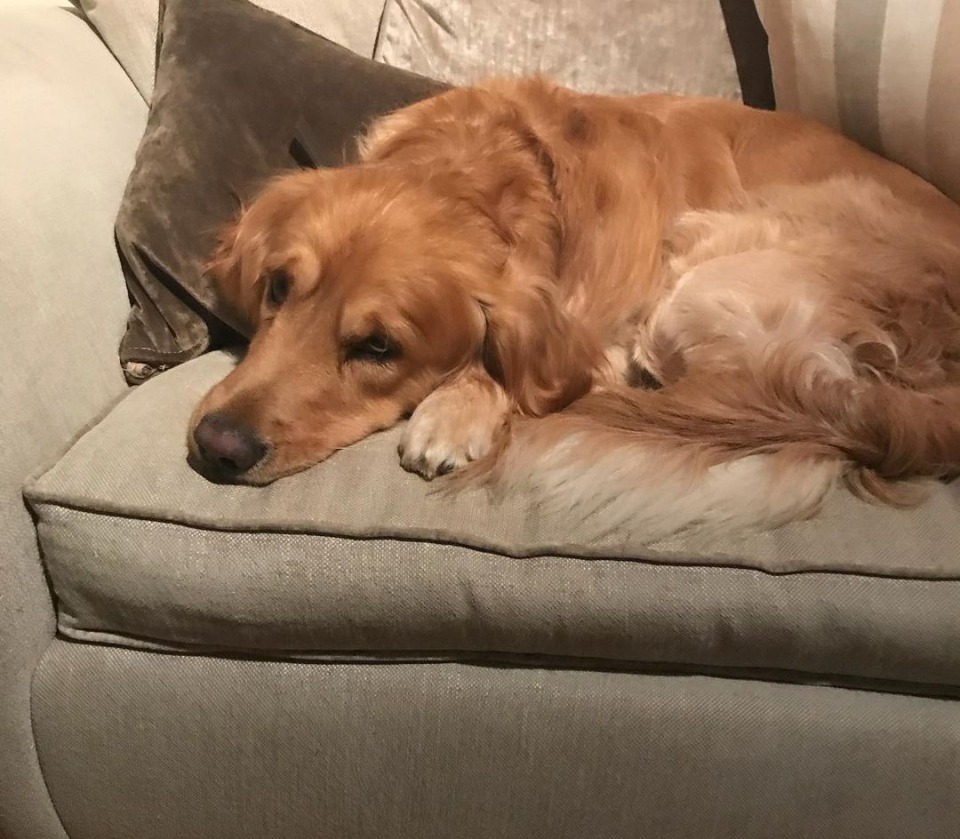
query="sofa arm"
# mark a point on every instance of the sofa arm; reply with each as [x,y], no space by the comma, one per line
[70,121]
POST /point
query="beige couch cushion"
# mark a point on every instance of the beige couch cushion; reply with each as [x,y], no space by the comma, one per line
[356,557]
[888,74]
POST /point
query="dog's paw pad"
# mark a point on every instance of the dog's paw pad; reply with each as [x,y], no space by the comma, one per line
[431,448]
[452,427]
[431,463]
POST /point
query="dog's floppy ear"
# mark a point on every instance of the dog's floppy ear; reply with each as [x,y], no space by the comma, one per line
[543,359]
[234,267]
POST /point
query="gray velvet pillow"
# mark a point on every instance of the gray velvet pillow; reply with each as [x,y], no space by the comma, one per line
[241,94]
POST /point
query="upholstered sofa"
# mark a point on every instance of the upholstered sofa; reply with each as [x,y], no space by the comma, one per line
[343,654]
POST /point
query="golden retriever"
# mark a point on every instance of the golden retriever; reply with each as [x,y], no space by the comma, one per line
[669,310]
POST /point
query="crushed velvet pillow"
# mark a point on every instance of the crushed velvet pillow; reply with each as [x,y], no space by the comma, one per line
[241,94]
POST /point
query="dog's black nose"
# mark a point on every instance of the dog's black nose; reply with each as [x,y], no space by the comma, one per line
[227,445]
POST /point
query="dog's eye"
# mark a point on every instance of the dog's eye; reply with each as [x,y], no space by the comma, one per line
[376,347]
[278,287]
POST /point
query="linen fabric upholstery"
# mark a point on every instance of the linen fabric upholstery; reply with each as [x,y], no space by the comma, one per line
[241,95]
[357,556]
[430,750]
[885,72]
[69,125]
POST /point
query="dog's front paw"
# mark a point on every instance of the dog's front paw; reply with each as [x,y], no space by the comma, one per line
[451,428]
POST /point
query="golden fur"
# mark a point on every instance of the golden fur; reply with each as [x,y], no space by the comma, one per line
[531,254]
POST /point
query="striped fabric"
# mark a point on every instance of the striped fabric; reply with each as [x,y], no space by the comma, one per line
[886,72]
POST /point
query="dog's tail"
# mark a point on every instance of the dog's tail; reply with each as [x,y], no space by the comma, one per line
[736,451]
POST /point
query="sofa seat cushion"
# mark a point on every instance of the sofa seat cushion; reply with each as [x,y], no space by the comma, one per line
[357,557]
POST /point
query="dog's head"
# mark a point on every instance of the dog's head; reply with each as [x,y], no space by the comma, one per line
[367,287]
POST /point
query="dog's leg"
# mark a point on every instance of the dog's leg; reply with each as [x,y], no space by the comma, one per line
[454,425]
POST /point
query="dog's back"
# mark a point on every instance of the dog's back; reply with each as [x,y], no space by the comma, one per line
[804,318]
